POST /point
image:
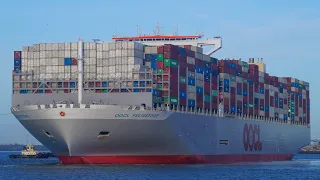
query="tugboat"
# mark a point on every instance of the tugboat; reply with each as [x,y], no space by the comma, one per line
[29,151]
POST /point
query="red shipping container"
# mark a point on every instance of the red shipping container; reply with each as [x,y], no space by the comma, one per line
[66,91]
[214,106]
[285,101]
[183,102]
[114,91]
[182,87]
[207,85]
[48,91]
[174,71]
[191,68]
[160,65]
[173,79]
[199,62]
[74,61]
[245,98]
[183,72]
[160,50]
[271,101]
[65,84]
[207,105]
[166,69]
[239,103]
[300,103]
[256,112]
[98,91]
[233,90]
[98,84]
[214,99]
[191,53]
[214,86]
[224,70]
[267,114]
[91,84]
[17,55]
[187,46]
[250,111]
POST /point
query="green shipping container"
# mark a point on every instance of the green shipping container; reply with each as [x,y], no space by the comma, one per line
[160,71]
[206,98]
[156,99]
[183,80]
[250,105]
[105,90]
[245,81]
[233,78]
[174,100]
[170,63]
[160,57]
[245,64]
[159,86]
[165,100]
[215,93]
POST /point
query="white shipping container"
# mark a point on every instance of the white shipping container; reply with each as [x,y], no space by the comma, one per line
[191,60]
[61,46]
[93,53]
[118,52]
[55,69]
[42,46]
[99,54]
[55,61]
[112,54]
[42,76]
[199,76]
[74,54]
[74,69]
[191,89]
[105,46]
[61,69]
[124,52]
[61,54]
[105,55]
[55,46]
[61,61]
[67,69]
[74,46]
[198,56]
[199,83]
[67,75]
[206,58]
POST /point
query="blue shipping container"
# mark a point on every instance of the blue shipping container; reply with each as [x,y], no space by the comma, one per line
[148,57]
[261,107]
[281,90]
[183,94]
[226,82]
[239,110]
[67,61]
[250,82]
[72,84]
[232,65]
[17,62]
[233,109]
[261,90]
[136,90]
[245,104]
[239,73]
[17,69]
[149,90]
[154,64]
[256,100]
[191,82]
[214,73]
[239,91]
[191,103]
[135,83]
[207,78]
[154,57]
[199,69]
[266,108]
[23,91]
[182,51]
[124,90]
[214,60]
[104,84]
[155,92]
[285,117]
[276,99]
[199,90]
[226,89]
[206,71]
[245,93]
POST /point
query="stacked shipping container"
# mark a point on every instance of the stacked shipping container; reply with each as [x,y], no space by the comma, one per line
[183,77]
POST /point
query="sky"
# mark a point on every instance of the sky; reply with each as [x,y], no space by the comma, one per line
[284,33]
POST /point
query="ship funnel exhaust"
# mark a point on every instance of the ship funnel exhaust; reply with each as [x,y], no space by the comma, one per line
[80,71]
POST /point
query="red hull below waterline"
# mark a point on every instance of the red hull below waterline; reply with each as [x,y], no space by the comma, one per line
[174,159]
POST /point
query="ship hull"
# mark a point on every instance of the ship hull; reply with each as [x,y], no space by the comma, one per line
[150,137]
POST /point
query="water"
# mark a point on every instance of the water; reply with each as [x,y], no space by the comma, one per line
[301,167]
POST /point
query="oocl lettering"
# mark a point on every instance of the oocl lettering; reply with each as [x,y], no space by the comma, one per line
[251,137]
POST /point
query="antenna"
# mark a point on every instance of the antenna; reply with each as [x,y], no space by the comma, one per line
[176,30]
[158,29]
[138,30]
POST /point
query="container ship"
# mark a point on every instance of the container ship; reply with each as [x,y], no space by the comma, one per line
[156,100]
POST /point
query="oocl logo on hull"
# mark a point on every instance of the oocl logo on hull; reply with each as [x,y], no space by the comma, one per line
[251,137]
